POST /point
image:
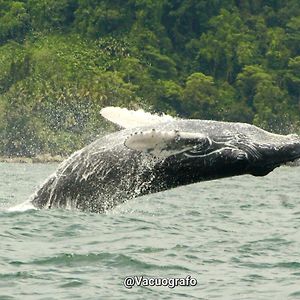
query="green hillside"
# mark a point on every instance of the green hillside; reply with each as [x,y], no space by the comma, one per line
[61,61]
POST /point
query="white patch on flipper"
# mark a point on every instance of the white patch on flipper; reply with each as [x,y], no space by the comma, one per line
[132,118]
[163,143]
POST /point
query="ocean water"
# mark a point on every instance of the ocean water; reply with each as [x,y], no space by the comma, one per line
[239,238]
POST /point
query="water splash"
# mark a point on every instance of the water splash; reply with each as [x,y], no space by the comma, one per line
[25,206]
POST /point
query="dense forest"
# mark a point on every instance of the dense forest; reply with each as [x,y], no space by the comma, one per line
[61,61]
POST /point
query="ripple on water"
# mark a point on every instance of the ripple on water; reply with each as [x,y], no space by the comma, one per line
[94,259]
[239,240]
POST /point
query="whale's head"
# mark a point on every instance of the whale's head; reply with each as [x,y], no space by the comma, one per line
[271,151]
[211,152]
[240,149]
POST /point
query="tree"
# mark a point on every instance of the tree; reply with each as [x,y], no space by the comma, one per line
[293,35]
[161,66]
[277,53]
[94,18]
[226,47]
[14,20]
[170,97]
[270,104]
[292,78]
[199,96]
[186,20]
[272,109]
[51,14]
[248,80]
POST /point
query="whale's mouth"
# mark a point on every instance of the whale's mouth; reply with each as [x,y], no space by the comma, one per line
[296,157]
[271,159]
[291,152]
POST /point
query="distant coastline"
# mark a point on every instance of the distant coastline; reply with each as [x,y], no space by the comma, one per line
[42,158]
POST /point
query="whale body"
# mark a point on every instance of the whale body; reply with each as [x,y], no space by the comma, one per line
[155,153]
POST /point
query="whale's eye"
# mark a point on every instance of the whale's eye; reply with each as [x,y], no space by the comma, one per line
[203,144]
[201,148]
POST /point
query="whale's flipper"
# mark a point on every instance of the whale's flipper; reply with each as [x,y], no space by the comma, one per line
[132,118]
[166,143]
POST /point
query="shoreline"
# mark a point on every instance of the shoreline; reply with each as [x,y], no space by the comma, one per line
[42,158]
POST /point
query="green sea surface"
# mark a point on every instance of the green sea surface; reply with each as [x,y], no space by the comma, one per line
[238,237]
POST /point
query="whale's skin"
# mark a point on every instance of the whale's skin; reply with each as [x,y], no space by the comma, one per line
[107,172]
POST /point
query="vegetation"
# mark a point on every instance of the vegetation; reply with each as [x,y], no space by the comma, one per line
[62,61]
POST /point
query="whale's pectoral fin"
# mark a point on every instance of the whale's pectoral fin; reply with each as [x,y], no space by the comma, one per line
[166,143]
[132,118]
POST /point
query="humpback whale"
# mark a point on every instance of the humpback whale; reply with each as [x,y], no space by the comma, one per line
[153,153]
